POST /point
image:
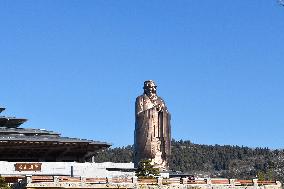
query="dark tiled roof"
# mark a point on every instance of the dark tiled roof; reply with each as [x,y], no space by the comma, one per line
[26,131]
[9,131]
[11,122]
[49,139]
[40,135]
[2,109]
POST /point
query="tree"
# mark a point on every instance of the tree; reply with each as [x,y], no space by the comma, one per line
[146,169]
[3,184]
[261,175]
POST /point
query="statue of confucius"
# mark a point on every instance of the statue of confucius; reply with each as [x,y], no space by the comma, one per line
[152,137]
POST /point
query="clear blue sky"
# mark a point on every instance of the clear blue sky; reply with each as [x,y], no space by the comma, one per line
[76,67]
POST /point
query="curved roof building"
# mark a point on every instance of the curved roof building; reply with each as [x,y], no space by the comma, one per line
[32,145]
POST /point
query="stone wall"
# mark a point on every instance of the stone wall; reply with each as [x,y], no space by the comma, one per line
[68,169]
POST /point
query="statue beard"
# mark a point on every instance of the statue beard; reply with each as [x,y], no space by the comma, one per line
[150,94]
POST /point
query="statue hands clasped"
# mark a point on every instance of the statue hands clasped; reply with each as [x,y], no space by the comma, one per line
[160,107]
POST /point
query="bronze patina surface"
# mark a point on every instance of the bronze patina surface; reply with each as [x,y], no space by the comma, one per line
[152,138]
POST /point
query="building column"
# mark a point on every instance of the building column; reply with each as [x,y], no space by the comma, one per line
[160,181]
[232,182]
[134,180]
[184,180]
[28,179]
[208,181]
[255,184]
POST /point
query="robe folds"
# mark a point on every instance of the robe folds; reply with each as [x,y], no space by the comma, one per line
[152,132]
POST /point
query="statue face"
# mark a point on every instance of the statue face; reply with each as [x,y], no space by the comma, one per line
[150,88]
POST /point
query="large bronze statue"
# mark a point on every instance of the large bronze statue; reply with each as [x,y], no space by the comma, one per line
[152,128]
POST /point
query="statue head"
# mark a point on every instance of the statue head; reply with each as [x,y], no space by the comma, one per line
[150,88]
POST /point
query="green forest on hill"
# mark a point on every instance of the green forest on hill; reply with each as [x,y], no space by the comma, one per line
[213,160]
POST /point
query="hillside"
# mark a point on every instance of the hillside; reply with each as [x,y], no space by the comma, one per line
[214,160]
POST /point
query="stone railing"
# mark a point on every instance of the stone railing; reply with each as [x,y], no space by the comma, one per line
[81,182]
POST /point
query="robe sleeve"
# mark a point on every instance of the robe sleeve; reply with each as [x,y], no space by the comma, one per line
[139,105]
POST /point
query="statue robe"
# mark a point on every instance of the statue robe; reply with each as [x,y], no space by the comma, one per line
[152,132]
